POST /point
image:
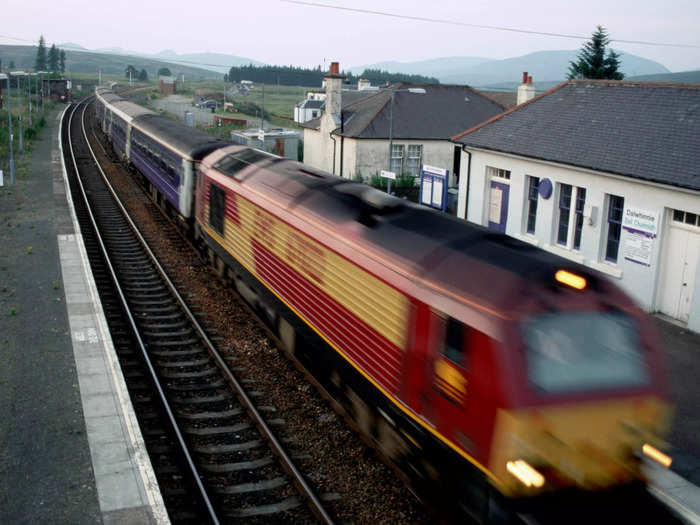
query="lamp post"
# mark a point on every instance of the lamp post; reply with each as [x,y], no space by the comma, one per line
[418,91]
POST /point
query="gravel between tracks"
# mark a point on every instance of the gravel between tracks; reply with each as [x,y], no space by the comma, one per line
[339,462]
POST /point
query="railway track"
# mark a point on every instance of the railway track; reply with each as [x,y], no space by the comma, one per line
[216,457]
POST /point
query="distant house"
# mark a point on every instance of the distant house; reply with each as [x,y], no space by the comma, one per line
[352,139]
[308,109]
[603,173]
[167,85]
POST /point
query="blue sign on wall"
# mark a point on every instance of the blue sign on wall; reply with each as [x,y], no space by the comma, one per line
[433,187]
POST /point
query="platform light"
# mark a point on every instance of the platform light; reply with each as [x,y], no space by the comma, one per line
[656,455]
[527,475]
[570,279]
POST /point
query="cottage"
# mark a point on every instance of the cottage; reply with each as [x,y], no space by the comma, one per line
[603,173]
[352,139]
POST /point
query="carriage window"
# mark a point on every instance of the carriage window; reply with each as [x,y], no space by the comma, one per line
[454,341]
[217,205]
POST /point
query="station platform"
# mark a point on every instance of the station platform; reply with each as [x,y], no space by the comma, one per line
[70,447]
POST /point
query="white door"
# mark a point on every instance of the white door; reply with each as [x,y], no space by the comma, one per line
[680,263]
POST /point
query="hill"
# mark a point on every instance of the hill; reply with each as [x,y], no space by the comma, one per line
[218,62]
[684,77]
[112,64]
[543,66]
[436,67]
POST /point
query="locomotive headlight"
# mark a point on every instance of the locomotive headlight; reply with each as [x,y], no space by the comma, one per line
[656,455]
[527,475]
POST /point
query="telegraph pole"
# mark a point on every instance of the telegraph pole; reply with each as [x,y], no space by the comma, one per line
[9,118]
[19,90]
[30,99]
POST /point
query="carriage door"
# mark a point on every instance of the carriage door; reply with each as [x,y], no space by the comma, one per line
[450,378]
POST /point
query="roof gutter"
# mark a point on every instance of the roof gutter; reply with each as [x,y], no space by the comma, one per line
[333,139]
[469,176]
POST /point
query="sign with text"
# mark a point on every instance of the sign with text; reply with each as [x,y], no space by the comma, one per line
[388,174]
[641,227]
[641,220]
[433,187]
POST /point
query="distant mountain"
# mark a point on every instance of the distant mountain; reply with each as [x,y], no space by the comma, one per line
[218,62]
[71,45]
[684,77]
[435,67]
[542,66]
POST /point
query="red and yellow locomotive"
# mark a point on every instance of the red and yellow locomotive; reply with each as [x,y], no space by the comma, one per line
[489,371]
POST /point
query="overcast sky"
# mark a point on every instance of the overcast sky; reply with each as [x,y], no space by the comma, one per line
[281,33]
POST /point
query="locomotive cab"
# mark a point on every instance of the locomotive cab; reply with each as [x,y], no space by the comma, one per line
[586,396]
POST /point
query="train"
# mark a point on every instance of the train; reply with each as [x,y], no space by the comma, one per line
[493,375]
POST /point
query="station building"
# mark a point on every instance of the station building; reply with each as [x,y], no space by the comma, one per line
[603,173]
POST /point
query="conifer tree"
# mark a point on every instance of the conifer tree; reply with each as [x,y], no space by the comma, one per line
[53,58]
[132,69]
[40,62]
[143,76]
[592,61]
[62,61]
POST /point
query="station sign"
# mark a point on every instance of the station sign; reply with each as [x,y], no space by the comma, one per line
[433,187]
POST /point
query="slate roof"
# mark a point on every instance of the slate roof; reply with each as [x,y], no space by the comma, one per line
[312,104]
[438,114]
[642,130]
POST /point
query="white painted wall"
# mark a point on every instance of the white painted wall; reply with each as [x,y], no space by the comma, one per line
[641,282]
[368,156]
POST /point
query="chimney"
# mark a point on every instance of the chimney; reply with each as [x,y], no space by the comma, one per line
[334,84]
[526,90]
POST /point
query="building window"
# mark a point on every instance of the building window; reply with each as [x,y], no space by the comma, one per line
[314,114]
[397,158]
[497,173]
[564,213]
[413,161]
[532,193]
[569,195]
[615,207]
[686,217]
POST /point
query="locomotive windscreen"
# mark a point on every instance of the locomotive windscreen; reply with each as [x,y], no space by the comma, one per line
[583,351]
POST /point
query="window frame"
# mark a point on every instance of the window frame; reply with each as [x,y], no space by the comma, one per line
[409,159]
[613,230]
[570,218]
[397,148]
[533,188]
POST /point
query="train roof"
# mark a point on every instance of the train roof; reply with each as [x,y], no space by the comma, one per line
[431,245]
[131,109]
[188,141]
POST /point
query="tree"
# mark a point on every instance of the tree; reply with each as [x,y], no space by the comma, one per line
[53,58]
[164,72]
[40,62]
[592,61]
[62,60]
[143,76]
[131,69]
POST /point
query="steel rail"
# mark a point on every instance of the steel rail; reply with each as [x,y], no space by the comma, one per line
[287,463]
[190,463]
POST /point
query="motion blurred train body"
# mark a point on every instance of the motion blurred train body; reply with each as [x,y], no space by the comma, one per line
[493,374]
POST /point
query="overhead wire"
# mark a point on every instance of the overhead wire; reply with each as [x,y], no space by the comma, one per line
[479,26]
